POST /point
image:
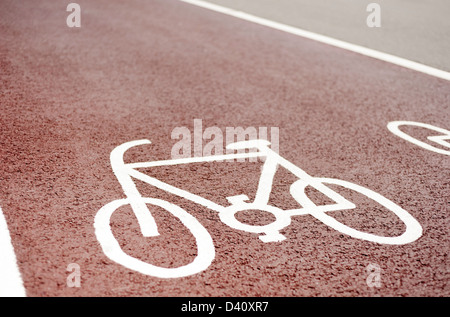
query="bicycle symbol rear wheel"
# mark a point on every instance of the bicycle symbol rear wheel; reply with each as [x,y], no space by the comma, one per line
[112,249]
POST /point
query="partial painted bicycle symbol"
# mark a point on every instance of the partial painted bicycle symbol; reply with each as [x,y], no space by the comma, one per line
[440,139]
[125,172]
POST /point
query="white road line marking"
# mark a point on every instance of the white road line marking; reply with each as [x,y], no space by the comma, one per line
[11,284]
[399,61]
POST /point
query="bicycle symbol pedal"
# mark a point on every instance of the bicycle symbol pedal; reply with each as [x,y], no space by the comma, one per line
[269,232]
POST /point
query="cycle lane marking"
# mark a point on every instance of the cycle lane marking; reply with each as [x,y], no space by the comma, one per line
[393,126]
[205,245]
[396,60]
[11,284]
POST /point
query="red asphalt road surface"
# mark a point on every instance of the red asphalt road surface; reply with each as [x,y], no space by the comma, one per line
[138,69]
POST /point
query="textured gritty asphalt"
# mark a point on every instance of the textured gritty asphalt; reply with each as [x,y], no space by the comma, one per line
[139,69]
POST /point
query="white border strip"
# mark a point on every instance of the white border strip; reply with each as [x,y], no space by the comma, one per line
[11,284]
[325,39]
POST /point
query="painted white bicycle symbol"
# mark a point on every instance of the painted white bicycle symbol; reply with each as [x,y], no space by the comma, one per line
[394,127]
[125,172]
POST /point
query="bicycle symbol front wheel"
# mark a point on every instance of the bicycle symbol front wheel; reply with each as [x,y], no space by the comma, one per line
[412,232]
[112,249]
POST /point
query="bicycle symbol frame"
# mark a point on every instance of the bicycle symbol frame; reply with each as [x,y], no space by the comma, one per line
[125,172]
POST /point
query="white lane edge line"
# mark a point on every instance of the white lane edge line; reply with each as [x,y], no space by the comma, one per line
[399,61]
[11,284]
